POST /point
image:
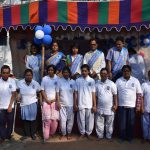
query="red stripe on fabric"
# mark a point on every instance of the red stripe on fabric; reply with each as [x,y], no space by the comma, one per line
[136,11]
[15,15]
[52,11]
[92,13]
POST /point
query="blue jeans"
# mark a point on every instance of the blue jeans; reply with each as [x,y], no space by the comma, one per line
[146,125]
[6,124]
[126,123]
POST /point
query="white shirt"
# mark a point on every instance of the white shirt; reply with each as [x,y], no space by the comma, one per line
[105,91]
[127,90]
[137,64]
[146,94]
[99,63]
[6,89]
[66,89]
[28,93]
[85,87]
[49,86]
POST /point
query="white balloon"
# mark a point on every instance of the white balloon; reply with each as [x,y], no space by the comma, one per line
[39,34]
[146,41]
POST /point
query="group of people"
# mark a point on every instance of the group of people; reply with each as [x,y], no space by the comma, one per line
[89,85]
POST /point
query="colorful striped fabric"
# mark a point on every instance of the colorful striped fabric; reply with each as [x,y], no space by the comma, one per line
[83,14]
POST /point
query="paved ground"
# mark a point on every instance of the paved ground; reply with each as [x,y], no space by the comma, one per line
[74,144]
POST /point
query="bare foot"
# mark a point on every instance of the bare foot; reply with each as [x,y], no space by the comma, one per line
[62,137]
[69,137]
[82,136]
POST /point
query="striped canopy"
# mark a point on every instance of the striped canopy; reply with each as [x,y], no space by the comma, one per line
[112,14]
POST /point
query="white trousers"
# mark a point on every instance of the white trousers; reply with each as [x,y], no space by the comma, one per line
[104,122]
[66,120]
[85,120]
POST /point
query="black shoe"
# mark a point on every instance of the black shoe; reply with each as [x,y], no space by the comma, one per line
[33,137]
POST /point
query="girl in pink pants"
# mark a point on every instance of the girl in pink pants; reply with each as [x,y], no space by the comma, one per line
[50,116]
[50,113]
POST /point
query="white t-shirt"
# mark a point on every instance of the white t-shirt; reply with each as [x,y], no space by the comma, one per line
[85,87]
[127,90]
[6,89]
[66,89]
[28,93]
[49,86]
[105,91]
[146,94]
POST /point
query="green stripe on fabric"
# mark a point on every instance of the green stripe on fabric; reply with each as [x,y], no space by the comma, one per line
[24,14]
[103,13]
[145,10]
[62,12]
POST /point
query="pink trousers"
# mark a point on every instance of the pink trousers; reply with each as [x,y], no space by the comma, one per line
[49,128]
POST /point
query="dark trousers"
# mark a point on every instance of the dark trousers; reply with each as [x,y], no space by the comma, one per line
[29,128]
[6,124]
[126,122]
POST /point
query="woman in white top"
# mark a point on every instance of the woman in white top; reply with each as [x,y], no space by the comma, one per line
[74,61]
[65,96]
[50,113]
[28,89]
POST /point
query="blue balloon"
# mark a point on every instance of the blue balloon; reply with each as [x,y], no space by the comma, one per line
[47,40]
[142,43]
[148,36]
[38,28]
[47,29]
[142,37]
[37,41]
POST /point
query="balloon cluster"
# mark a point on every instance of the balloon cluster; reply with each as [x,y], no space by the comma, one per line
[42,35]
[145,40]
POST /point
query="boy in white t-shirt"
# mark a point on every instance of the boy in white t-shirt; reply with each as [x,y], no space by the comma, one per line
[106,92]
[146,109]
[65,97]
[7,96]
[85,102]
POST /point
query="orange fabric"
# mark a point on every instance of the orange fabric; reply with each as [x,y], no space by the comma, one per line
[33,12]
[113,15]
[1,17]
[72,13]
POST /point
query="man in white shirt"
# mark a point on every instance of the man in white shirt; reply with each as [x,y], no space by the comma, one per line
[146,109]
[95,59]
[85,102]
[7,96]
[65,96]
[129,100]
[106,92]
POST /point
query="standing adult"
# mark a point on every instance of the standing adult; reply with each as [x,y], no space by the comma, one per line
[85,102]
[50,113]
[146,109]
[28,90]
[116,58]
[95,59]
[56,58]
[106,92]
[65,96]
[33,62]
[7,97]
[74,61]
[136,61]
[129,101]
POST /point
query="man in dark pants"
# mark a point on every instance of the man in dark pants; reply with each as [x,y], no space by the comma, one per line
[129,96]
[7,96]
